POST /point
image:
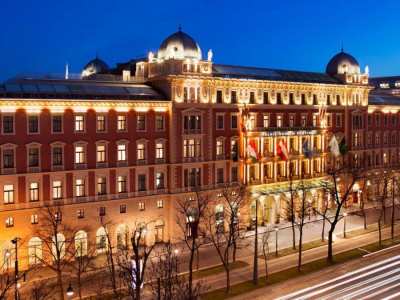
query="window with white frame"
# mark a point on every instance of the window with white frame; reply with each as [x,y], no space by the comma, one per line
[121,123]
[57,156]
[220,147]
[34,191]
[160,122]
[80,187]
[33,124]
[79,154]
[100,123]
[160,150]
[141,122]
[159,180]
[101,153]
[33,156]
[57,189]
[266,120]
[9,222]
[140,151]
[8,193]
[57,123]
[142,184]
[121,184]
[121,152]
[8,124]
[191,148]
[34,219]
[279,121]
[160,203]
[79,123]
[141,206]
[8,158]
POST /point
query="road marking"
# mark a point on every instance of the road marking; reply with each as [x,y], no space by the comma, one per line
[304,291]
[391,296]
[381,291]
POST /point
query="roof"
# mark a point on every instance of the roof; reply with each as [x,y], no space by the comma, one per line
[228,71]
[390,80]
[377,98]
[342,58]
[77,89]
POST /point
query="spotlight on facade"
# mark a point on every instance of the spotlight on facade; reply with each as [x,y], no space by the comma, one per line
[70,291]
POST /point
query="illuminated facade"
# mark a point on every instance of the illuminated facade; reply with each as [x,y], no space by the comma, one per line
[127,143]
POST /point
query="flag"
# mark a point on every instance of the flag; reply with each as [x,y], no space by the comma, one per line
[334,146]
[282,150]
[343,147]
[322,115]
[306,149]
[252,150]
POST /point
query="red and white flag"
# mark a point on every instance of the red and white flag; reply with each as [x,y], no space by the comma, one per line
[282,150]
[252,150]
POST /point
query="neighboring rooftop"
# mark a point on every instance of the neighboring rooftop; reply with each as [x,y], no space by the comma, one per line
[77,89]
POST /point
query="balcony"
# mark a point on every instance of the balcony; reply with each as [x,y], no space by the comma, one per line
[284,131]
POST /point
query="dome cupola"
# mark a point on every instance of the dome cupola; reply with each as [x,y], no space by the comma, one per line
[95,66]
[342,63]
[179,45]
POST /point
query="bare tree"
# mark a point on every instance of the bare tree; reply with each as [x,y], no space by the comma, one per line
[6,282]
[132,261]
[340,187]
[381,198]
[191,217]
[302,211]
[291,207]
[57,243]
[40,290]
[223,230]
[395,192]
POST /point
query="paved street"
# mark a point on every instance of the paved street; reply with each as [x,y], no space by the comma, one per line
[377,281]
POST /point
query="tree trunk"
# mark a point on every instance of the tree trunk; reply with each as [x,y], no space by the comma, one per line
[323,230]
[300,248]
[330,248]
[137,291]
[79,285]
[192,250]
[393,217]
[60,284]
[380,232]
[293,234]
[228,280]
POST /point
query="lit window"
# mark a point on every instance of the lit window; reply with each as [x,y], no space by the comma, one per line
[57,189]
[220,147]
[121,152]
[9,222]
[141,123]
[79,123]
[141,206]
[80,213]
[101,186]
[80,187]
[140,151]
[384,85]
[101,153]
[8,193]
[121,126]
[159,180]
[266,121]
[101,123]
[121,184]
[160,203]
[34,191]
[279,121]
[79,154]
[34,219]
[159,150]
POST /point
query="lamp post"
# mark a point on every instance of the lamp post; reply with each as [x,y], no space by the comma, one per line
[309,210]
[255,264]
[344,225]
[15,243]
[276,240]
[70,291]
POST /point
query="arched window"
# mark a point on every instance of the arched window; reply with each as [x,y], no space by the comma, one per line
[81,243]
[35,251]
[122,236]
[58,247]
[101,240]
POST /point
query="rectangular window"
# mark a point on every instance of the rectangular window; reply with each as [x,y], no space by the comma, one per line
[122,152]
[291,120]
[121,184]
[8,193]
[34,219]
[8,158]
[33,157]
[291,98]
[80,187]
[159,150]
[9,222]
[159,180]
[192,177]
[80,213]
[233,97]
[220,175]
[279,121]
[160,203]
[34,191]
[315,120]
[219,96]
[142,182]
[79,155]
[121,126]
[252,99]
[101,153]
[56,123]
[8,124]
[79,123]
[303,99]
[102,211]
[265,98]
[100,123]
[57,189]
[160,123]
[140,152]
[220,148]
[266,120]
[141,122]
[101,186]
[339,122]
[122,209]
[33,124]
[234,121]
[234,174]
[141,206]
[279,98]
[191,148]
[57,156]
[303,120]
[220,121]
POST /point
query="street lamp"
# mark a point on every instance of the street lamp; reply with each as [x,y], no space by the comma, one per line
[70,291]
[276,240]
[344,225]
[15,243]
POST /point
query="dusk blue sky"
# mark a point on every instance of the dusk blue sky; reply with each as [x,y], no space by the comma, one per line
[41,36]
